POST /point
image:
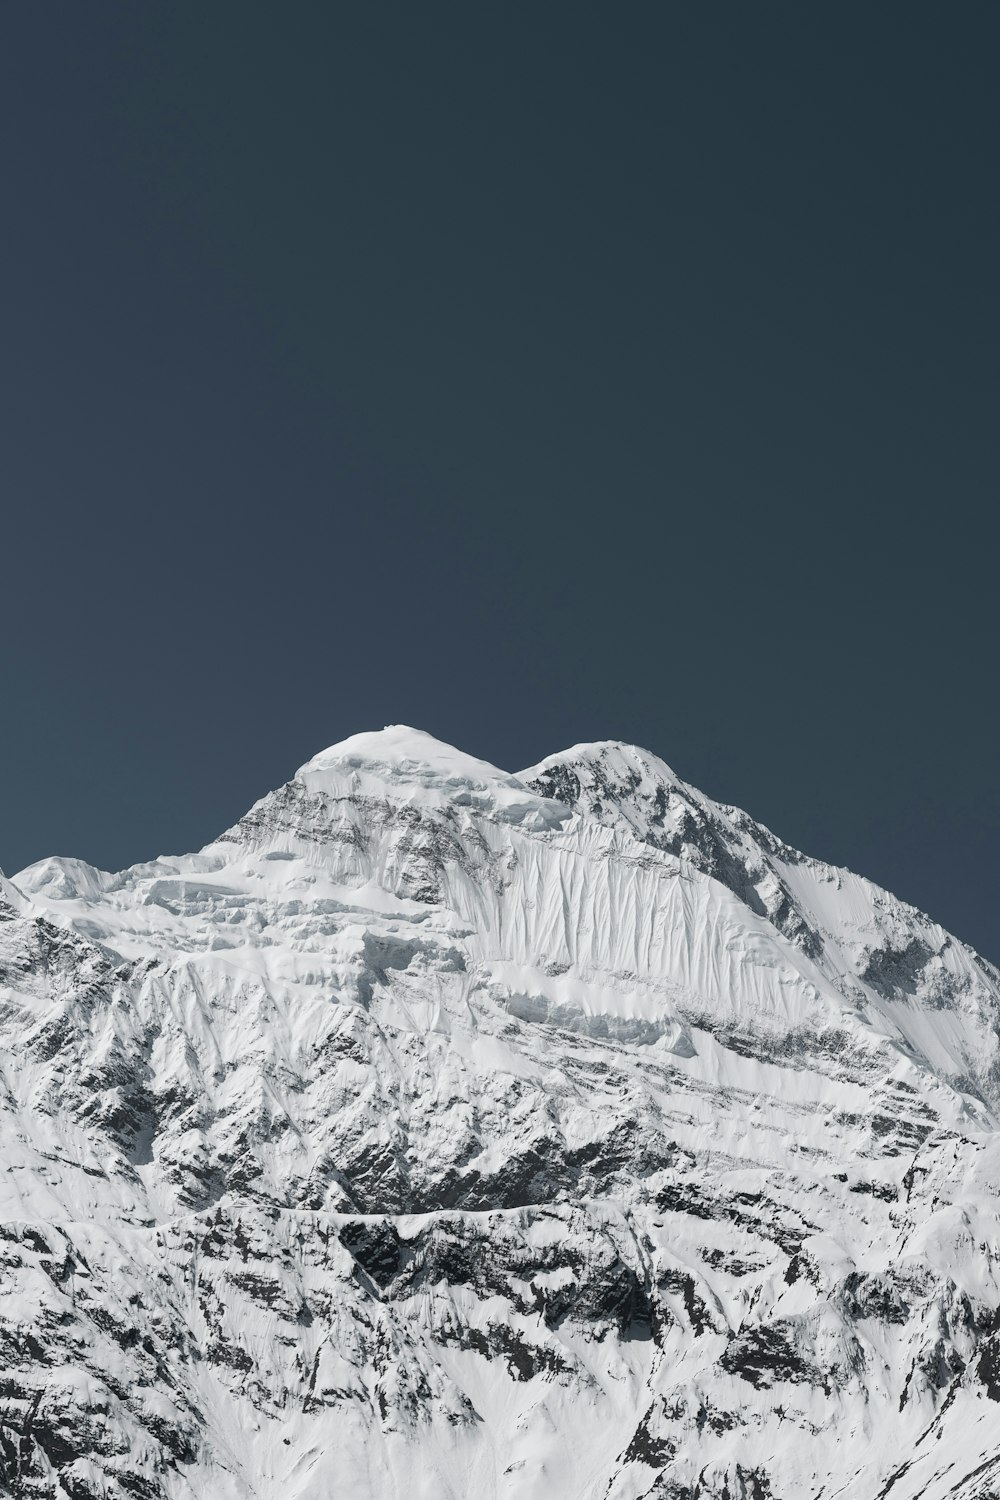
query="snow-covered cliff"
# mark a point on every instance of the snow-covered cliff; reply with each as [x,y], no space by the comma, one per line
[438,1132]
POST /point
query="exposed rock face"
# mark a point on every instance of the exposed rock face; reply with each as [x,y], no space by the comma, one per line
[437,1132]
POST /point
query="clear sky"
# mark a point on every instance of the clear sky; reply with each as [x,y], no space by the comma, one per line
[528,373]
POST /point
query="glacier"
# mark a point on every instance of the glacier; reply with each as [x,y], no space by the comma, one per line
[436,1132]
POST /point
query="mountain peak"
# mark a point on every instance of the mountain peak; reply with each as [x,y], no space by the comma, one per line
[614,761]
[399,749]
[414,766]
[293,1125]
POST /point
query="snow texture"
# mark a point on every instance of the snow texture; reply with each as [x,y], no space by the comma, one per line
[441,1133]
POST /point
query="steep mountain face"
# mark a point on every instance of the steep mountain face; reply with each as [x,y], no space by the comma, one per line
[437,1132]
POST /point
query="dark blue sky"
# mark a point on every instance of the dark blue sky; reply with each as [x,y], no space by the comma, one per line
[527,373]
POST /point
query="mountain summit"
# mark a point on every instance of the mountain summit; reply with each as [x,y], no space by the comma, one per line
[443,1133]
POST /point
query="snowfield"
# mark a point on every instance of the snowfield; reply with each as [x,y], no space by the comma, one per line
[443,1134]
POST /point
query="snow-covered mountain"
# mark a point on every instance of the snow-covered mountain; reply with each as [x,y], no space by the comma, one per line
[440,1133]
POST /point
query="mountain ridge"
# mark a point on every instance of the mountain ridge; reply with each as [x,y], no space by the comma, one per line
[440,1131]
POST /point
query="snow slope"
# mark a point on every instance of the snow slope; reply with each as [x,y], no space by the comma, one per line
[438,1132]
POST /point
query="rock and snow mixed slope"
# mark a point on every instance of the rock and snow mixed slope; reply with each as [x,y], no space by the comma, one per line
[437,1132]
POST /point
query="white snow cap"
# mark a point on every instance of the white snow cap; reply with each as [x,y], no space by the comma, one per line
[416,767]
[400,751]
[616,759]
